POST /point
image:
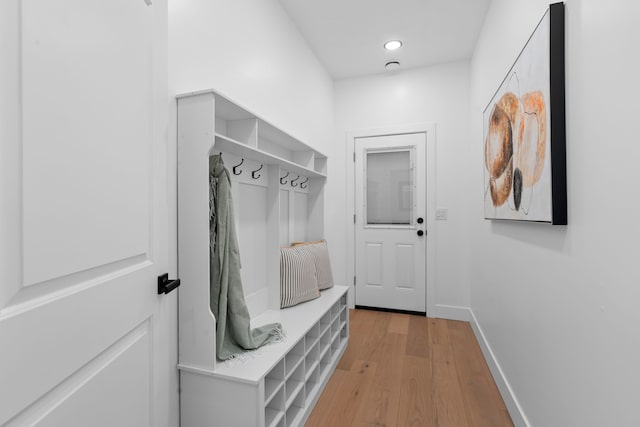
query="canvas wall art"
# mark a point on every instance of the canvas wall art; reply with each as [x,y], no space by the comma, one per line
[524,132]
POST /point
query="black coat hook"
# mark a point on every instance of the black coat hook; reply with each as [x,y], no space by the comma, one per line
[293,181]
[236,166]
[253,173]
[302,184]
[281,179]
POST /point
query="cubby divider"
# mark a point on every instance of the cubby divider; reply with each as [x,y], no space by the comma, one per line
[325,340]
[294,358]
[295,413]
[325,358]
[294,385]
[335,310]
[335,326]
[325,322]
[311,360]
[312,336]
[273,381]
[274,411]
[313,379]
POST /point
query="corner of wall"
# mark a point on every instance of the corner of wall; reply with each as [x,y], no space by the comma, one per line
[453,312]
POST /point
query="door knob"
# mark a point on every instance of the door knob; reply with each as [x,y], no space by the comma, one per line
[420,220]
[420,233]
[165,285]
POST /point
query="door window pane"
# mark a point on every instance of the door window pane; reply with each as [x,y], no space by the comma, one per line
[389,188]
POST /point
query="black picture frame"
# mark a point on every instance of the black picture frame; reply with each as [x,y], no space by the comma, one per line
[524,138]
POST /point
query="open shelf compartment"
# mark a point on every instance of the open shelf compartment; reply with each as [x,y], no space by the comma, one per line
[273,381]
[275,409]
[295,412]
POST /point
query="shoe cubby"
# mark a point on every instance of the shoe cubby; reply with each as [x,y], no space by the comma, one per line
[283,380]
[325,322]
[294,358]
[312,336]
[296,411]
[294,387]
[335,310]
[335,327]
[312,384]
[335,334]
[325,357]
[312,359]
[273,381]
[274,410]
[325,342]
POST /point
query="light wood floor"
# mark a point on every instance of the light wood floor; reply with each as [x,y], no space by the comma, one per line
[404,370]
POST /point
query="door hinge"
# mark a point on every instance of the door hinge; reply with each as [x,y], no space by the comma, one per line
[354,218]
[354,157]
[354,280]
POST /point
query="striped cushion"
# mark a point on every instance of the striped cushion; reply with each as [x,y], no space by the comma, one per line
[298,280]
[320,252]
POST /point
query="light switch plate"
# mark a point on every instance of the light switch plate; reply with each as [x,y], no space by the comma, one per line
[441,214]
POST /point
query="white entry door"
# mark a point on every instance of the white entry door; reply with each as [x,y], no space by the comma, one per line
[84,337]
[390,222]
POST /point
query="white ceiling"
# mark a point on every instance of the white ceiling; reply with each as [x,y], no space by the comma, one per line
[347,35]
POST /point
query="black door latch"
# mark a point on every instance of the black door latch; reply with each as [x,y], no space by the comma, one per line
[165,285]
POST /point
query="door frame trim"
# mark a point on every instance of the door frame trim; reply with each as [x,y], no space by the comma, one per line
[429,129]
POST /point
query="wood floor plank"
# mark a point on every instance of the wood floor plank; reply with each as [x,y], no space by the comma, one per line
[434,375]
[352,394]
[447,396]
[325,405]
[483,404]
[358,332]
[377,331]
[399,324]
[381,406]
[438,331]
[416,397]
[418,336]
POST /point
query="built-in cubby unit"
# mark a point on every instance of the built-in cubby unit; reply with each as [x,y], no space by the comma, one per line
[278,194]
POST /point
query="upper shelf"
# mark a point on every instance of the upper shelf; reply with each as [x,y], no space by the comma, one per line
[226,144]
[241,132]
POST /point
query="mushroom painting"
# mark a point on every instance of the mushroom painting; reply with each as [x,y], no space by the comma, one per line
[518,164]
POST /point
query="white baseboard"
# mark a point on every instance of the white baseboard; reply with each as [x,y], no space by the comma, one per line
[452,312]
[517,415]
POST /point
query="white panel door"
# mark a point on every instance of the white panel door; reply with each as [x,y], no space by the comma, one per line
[390,227]
[83,338]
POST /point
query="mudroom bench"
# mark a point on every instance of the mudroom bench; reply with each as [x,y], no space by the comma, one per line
[279,384]
[278,194]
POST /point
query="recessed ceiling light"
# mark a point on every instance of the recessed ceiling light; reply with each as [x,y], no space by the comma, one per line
[392,65]
[393,45]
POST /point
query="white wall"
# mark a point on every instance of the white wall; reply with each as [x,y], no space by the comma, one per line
[252,53]
[558,305]
[437,94]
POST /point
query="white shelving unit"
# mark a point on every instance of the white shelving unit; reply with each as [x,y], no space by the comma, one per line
[280,385]
[278,192]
